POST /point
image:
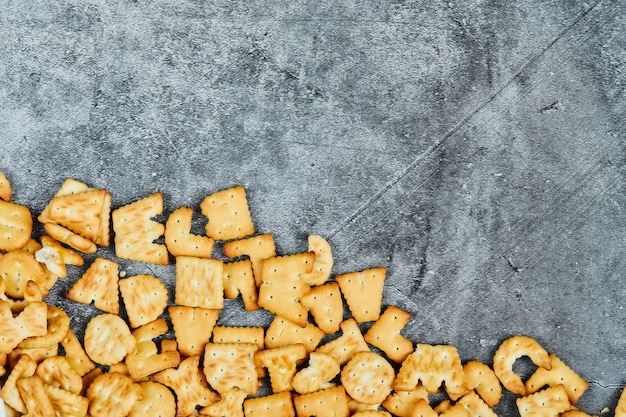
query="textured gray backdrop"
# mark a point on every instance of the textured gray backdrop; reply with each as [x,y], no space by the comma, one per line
[475,149]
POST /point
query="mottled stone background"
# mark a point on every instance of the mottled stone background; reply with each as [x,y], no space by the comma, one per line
[474,148]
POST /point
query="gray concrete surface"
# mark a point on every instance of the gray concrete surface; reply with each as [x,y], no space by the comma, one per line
[476,149]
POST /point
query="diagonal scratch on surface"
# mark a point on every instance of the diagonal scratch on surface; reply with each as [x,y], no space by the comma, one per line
[438,143]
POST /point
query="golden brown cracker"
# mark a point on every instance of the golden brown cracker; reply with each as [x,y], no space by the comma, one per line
[329,402]
[70,238]
[323,264]
[16,225]
[228,214]
[230,404]
[17,267]
[368,377]
[509,352]
[32,321]
[283,332]
[75,354]
[69,186]
[321,370]
[108,339]
[237,334]
[432,366]
[256,248]
[281,363]
[24,367]
[56,371]
[179,239]
[231,365]
[5,187]
[189,384]
[192,327]
[239,279]
[402,403]
[273,405]
[34,395]
[283,287]
[347,344]
[550,401]
[325,304]
[145,298]
[80,212]
[57,325]
[66,403]
[112,394]
[99,284]
[136,232]
[363,291]
[56,256]
[156,401]
[199,282]
[558,374]
[385,334]
[476,406]
[145,360]
[482,379]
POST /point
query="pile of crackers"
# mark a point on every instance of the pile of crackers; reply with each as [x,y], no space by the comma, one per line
[332,348]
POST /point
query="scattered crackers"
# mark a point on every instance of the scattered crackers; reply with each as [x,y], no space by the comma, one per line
[332,348]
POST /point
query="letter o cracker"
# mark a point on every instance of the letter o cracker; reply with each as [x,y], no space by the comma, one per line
[511,350]
[108,339]
[368,378]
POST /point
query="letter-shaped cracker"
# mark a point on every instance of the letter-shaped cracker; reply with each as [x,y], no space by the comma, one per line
[231,404]
[345,346]
[273,405]
[281,364]
[283,332]
[32,321]
[193,327]
[401,403]
[363,291]
[326,306]
[99,284]
[179,239]
[112,394]
[558,374]
[433,365]
[189,384]
[145,298]
[199,282]
[228,214]
[239,279]
[385,334]
[323,264]
[548,402]
[510,351]
[483,380]
[283,287]
[231,365]
[257,248]
[108,339]
[321,370]
[368,378]
[135,231]
[156,401]
[332,401]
